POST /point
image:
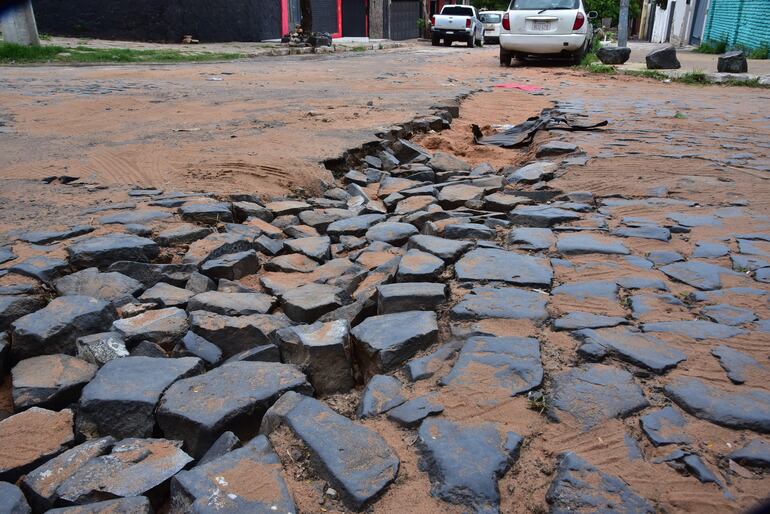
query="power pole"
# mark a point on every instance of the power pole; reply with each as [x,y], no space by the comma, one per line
[623,24]
[18,24]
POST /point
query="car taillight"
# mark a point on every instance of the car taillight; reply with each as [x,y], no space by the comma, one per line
[433,21]
[579,20]
[468,23]
[506,22]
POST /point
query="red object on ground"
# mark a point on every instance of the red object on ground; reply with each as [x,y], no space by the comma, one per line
[514,85]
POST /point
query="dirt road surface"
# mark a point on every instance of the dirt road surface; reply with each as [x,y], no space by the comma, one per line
[265,126]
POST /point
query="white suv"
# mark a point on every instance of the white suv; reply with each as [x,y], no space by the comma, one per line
[555,28]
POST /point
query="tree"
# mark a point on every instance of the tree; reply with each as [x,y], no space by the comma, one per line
[306,13]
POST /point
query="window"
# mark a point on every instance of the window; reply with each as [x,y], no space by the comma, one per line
[457,11]
[489,18]
[538,5]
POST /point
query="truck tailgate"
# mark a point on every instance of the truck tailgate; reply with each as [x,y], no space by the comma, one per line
[447,22]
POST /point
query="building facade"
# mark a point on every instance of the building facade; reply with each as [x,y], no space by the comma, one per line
[680,22]
[743,23]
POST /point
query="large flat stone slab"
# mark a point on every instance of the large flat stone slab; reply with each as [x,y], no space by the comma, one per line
[49,381]
[56,327]
[595,393]
[507,363]
[489,264]
[356,461]
[636,348]
[700,275]
[739,366]
[159,326]
[581,488]
[231,304]
[696,329]
[120,401]
[232,397]
[744,408]
[383,343]
[131,505]
[541,216]
[665,426]
[102,251]
[574,244]
[465,462]
[410,296]
[504,302]
[13,307]
[236,334]
[446,249]
[247,479]
[382,393]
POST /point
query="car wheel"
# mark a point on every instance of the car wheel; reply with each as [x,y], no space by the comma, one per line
[447,42]
[435,40]
[505,58]
[481,40]
[577,55]
[471,41]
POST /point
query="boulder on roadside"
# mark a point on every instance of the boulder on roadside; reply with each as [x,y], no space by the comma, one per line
[733,62]
[663,58]
[613,54]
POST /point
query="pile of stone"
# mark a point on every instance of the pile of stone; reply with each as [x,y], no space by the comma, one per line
[157,362]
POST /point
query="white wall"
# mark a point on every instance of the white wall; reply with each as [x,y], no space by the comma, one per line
[660,26]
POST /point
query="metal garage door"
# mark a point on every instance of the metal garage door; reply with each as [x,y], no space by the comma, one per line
[325,16]
[403,19]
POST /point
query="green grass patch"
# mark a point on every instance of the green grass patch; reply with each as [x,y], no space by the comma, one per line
[680,116]
[359,49]
[597,67]
[45,37]
[692,77]
[712,47]
[763,52]
[11,53]
[648,74]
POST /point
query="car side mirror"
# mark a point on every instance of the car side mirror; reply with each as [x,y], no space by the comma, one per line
[592,15]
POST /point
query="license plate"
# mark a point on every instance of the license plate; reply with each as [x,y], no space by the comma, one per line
[490,30]
[541,25]
[490,27]
[449,32]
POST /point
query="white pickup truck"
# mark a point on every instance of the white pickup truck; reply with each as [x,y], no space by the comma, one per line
[457,23]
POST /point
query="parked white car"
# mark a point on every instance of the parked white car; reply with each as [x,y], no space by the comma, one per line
[492,21]
[546,28]
[457,23]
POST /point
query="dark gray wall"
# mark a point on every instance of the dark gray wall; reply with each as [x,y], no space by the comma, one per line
[161,20]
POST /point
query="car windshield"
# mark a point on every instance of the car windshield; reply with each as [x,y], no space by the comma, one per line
[458,11]
[539,5]
[489,18]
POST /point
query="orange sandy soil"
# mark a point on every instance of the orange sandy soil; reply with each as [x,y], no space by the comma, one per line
[252,132]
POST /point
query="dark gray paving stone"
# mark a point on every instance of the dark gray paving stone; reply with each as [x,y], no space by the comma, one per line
[696,329]
[763,275]
[513,364]
[580,320]
[502,202]
[465,462]
[748,247]
[235,334]
[644,232]
[744,408]
[743,263]
[291,263]
[217,245]
[162,326]
[410,296]
[6,254]
[637,348]
[588,290]
[472,231]
[134,217]
[120,401]
[728,314]
[755,454]
[541,216]
[183,233]
[250,209]
[224,444]
[54,328]
[17,306]
[100,348]
[488,264]
[383,343]
[43,237]
[356,226]
[122,474]
[111,286]
[705,250]
[316,248]
[148,349]
[150,274]
[193,345]
[287,207]
[44,269]
[207,213]
[446,249]
[442,161]
[49,381]
[25,449]
[262,353]
[199,283]
[595,393]
[532,238]
[665,426]
[506,303]
[166,295]
[574,244]
[232,397]
[419,266]
[663,257]
[456,195]
[699,470]
[579,487]
[642,283]
[532,173]
[411,413]
[556,148]
[12,500]
[320,219]
[232,304]
[322,351]
[393,233]
[42,483]
[355,460]
[694,220]
[763,325]
[644,303]
[305,304]
[228,483]
[231,266]
[700,275]
[427,365]
[738,365]
[382,393]
[101,251]
[632,447]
